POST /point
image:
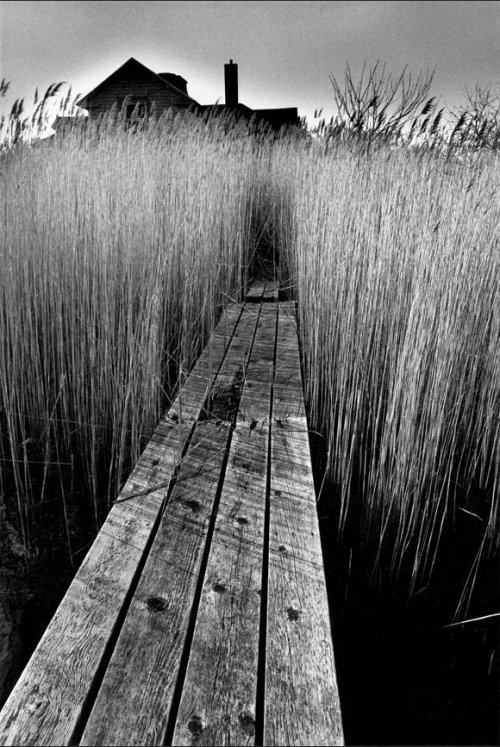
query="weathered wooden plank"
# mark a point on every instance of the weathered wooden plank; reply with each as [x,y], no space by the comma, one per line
[263,290]
[301,697]
[271,290]
[134,700]
[135,697]
[255,290]
[218,704]
[46,703]
[288,398]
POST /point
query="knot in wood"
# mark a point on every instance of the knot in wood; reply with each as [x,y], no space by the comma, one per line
[195,506]
[195,725]
[36,706]
[241,520]
[157,604]
[219,588]
[247,723]
[282,548]
[293,614]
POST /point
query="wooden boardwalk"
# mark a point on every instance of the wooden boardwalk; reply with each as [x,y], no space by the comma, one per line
[200,615]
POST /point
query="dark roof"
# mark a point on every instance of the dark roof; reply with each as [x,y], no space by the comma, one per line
[277,118]
[129,67]
[238,109]
[175,80]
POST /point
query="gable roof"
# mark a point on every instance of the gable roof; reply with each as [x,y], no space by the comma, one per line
[129,68]
[175,80]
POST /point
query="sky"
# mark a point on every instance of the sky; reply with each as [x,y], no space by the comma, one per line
[286,51]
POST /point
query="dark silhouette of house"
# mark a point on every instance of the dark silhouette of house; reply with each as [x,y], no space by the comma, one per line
[277,118]
[134,88]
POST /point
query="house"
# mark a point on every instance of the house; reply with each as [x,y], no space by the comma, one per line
[135,85]
[134,88]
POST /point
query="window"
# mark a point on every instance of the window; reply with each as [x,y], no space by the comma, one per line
[136,107]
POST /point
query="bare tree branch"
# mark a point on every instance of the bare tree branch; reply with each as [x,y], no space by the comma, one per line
[377,103]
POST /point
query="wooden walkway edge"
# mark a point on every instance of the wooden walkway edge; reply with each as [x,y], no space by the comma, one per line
[200,614]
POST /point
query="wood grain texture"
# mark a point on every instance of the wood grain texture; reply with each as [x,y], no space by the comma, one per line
[271,289]
[135,697]
[301,696]
[133,704]
[46,702]
[255,290]
[265,290]
[218,704]
[288,397]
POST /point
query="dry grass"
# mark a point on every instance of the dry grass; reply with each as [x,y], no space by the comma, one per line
[396,264]
[117,251]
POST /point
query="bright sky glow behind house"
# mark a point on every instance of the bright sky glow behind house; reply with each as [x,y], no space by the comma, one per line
[286,51]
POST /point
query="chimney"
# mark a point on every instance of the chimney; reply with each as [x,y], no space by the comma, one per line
[231,83]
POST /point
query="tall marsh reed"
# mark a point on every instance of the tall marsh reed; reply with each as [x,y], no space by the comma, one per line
[117,250]
[396,263]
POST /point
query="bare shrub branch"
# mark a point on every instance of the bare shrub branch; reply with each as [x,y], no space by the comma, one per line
[378,103]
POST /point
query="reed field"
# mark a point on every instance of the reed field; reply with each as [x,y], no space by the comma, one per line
[396,266]
[118,251]
[119,248]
